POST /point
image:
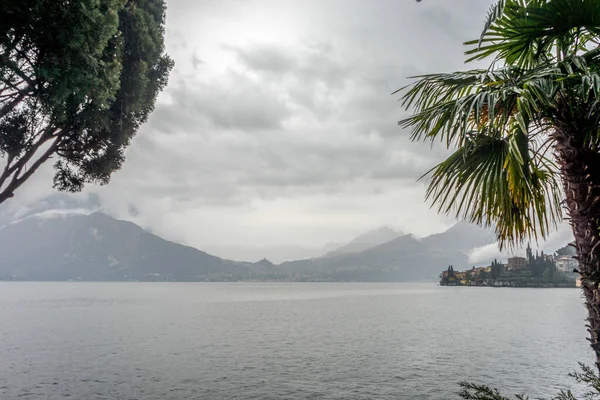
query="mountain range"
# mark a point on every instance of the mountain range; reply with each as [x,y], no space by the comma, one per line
[97,247]
[403,258]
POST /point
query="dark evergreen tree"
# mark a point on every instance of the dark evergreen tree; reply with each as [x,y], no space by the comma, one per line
[497,269]
[78,80]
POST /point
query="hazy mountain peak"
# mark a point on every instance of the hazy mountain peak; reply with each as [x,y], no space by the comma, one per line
[98,247]
[377,236]
[265,262]
[462,226]
[461,236]
[369,239]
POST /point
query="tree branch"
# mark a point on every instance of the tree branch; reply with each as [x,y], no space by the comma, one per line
[15,68]
[10,106]
[17,181]
[9,170]
[10,85]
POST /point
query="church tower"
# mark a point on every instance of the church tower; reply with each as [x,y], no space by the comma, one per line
[529,254]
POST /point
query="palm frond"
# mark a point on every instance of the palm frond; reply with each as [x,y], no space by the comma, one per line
[500,120]
[490,181]
[499,175]
[526,32]
[449,106]
[494,13]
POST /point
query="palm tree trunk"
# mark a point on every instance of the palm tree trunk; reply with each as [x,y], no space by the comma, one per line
[580,169]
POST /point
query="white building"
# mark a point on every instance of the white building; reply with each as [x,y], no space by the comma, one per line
[566,263]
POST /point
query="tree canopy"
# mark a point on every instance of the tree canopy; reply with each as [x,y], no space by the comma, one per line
[78,80]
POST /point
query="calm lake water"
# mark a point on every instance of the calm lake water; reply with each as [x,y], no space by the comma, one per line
[283,341]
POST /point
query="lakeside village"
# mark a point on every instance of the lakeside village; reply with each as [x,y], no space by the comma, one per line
[539,270]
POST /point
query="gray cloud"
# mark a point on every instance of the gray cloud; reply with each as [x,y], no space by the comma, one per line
[278,125]
[240,103]
[196,61]
[267,58]
[285,119]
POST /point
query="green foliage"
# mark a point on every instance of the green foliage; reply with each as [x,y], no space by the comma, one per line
[78,80]
[531,32]
[561,277]
[472,391]
[448,277]
[587,377]
[545,71]
[541,267]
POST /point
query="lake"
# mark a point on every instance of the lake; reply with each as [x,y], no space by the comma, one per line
[163,341]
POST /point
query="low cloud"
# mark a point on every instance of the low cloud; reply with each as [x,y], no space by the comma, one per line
[557,238]
[485,254]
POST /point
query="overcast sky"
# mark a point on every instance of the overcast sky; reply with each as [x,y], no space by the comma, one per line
[278,127]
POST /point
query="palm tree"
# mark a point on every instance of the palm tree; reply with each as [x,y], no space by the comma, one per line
[525,132]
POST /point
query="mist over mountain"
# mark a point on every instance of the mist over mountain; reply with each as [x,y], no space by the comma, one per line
[462,236]
[56,239]
[404,258]
[365,241]
[57,203]
[98,247]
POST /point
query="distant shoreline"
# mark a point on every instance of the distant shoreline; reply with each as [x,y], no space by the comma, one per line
[429,283]
[432,283]
[516,287]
